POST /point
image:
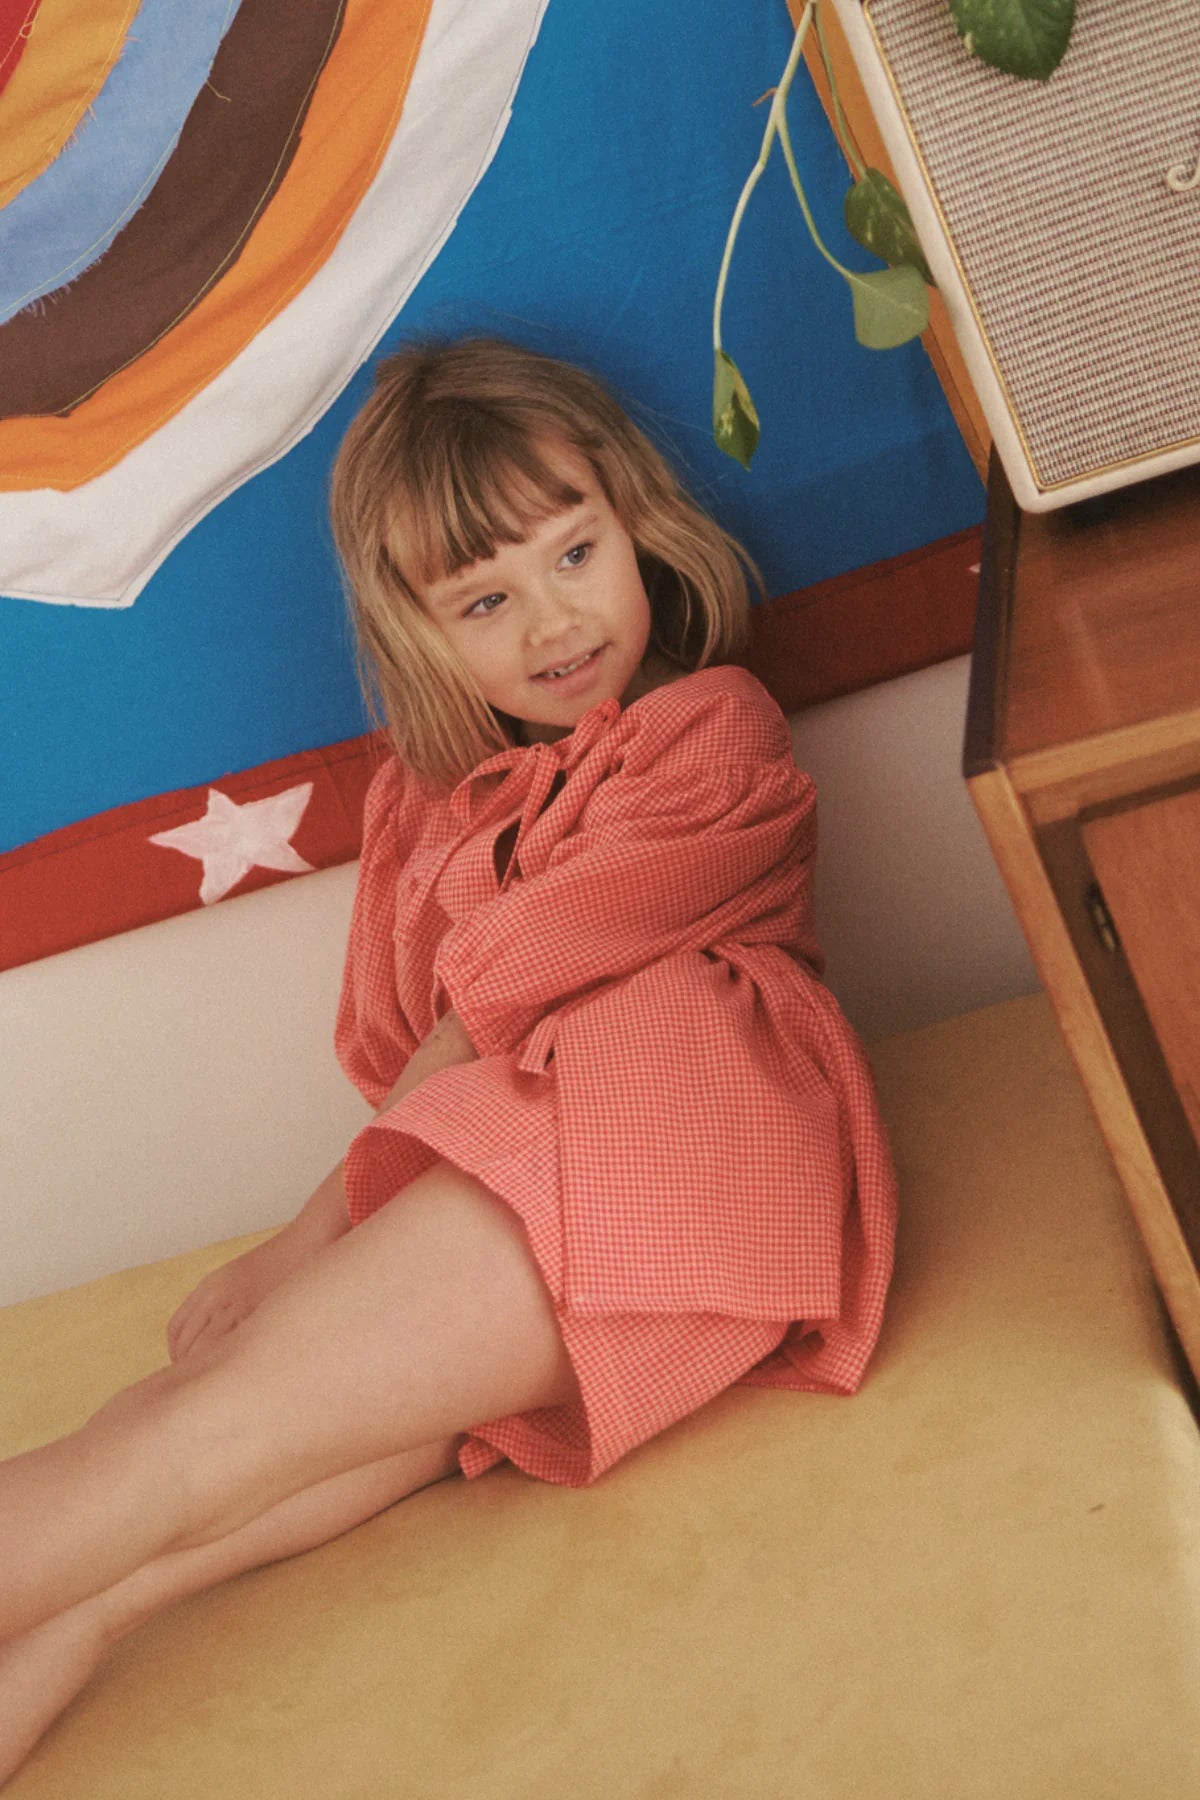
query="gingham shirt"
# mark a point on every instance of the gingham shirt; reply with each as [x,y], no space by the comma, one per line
[649,951]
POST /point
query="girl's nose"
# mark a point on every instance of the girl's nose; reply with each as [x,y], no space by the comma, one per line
[550,615]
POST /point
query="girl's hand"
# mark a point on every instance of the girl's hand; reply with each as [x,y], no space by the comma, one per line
[230,1294]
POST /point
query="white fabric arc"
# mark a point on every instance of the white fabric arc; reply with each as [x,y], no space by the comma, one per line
[99,544]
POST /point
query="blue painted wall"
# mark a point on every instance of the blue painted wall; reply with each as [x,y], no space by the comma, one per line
[596,234]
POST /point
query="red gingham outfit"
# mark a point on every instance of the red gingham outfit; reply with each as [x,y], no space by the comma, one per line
[665,1094]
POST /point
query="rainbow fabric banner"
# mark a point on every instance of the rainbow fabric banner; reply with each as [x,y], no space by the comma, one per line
[316,173]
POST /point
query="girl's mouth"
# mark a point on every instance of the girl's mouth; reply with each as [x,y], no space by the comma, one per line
[572,675]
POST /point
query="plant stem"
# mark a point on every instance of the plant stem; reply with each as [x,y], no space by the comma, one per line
[843,131]
[752,180]
[786,145]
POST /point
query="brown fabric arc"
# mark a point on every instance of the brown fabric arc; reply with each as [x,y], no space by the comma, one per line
[234,150]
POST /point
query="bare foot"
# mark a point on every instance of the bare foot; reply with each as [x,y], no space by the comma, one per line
[40,1674]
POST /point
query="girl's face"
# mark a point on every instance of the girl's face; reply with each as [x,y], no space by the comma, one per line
[551,626]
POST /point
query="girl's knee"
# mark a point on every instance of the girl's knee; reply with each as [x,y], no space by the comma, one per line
[175,1424]
[218,1458]
[127,1402]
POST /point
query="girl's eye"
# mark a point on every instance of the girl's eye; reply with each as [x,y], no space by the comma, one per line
[576,557]
[488,603]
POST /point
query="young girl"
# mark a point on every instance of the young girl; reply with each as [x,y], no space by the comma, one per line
[626,1151]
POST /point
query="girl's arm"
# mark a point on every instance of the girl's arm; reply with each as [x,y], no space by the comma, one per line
[700,835]
[232,1292]
[323,1216]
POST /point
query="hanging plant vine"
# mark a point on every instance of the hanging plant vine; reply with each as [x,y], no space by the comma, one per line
[1027,38]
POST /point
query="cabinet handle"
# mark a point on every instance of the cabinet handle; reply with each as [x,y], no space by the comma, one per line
[1102,919]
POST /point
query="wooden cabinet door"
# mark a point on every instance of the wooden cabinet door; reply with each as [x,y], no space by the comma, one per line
[1147,859]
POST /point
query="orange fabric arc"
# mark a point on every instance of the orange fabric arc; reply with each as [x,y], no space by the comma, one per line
[354,112]
[72,46]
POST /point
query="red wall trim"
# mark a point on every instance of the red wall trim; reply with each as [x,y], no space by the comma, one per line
[104,875]
[890,619]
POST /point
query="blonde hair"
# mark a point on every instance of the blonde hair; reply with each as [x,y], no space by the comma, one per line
[447,461]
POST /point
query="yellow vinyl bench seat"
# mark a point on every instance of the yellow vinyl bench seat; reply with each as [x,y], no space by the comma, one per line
[979,1578]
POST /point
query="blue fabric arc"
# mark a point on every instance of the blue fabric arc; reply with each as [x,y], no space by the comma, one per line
[64,221]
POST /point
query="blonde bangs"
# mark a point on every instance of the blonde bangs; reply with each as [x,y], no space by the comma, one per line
[474,487]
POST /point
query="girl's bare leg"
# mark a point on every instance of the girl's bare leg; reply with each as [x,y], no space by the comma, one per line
[426,1320]
[43,1671]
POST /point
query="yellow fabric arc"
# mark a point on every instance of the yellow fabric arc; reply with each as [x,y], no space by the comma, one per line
[72,47]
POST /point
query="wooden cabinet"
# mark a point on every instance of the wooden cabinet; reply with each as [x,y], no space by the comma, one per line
[1083,761]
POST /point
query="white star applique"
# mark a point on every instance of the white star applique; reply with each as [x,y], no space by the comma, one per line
[231,840]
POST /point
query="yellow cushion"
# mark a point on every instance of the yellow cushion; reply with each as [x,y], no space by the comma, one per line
[980,1577]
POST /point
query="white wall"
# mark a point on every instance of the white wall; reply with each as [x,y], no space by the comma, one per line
[171,1086]
[912,913]
[177,1085]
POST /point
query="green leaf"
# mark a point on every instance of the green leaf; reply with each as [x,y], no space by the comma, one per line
[890,306]
[735,422]
[1022,37]
[878,219]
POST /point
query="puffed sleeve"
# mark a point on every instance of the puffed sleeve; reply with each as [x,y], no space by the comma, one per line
[705,832]
[372,1038]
